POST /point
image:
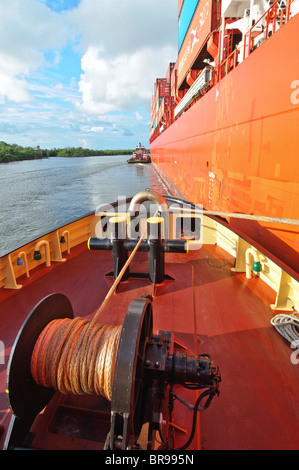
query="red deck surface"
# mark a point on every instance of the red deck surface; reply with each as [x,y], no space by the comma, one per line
[209,309]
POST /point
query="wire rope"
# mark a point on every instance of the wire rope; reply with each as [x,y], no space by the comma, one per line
[78,355]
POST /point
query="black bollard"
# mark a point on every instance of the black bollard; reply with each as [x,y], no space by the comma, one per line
[118,226]
[156,262]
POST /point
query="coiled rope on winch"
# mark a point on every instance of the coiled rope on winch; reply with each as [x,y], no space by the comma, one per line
[287,326]
[78,355]
[75,356]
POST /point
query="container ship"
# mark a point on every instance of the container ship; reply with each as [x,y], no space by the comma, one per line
[160,323]
[224,128]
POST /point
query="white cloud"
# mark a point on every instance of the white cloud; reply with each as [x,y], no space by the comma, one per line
[26,28]
[96,129]
[122,82]
[13,89]
[126,26]
[84,143]
[53,91]
[126,46]
[57,58]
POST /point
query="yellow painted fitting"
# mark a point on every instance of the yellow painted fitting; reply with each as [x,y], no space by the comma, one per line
[192,245]
[117,219]
[248,253]
[66,234]
[23,254]
[155,220]
[88,243]
[47,250]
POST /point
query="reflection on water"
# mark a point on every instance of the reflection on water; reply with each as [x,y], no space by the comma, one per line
[40,195]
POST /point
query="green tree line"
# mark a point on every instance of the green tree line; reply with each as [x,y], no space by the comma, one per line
[14,152]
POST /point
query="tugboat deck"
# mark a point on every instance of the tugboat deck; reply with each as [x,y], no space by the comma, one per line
[209,309]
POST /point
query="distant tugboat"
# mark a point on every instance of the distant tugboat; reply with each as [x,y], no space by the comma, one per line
[140,155]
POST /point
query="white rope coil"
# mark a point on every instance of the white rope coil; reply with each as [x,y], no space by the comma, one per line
[287,326]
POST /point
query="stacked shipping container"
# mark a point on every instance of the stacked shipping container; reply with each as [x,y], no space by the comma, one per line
[185,18]
[180,3]
[198,32]
[162,102]
[196,22]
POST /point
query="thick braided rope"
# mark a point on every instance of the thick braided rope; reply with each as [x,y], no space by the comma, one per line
[78,355]
[72,356]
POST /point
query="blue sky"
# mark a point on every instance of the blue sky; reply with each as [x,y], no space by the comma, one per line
[61,5]
[82,72]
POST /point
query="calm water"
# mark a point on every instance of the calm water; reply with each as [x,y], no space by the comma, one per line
[38,196]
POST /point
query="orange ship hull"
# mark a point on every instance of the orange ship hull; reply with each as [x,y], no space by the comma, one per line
[236,149]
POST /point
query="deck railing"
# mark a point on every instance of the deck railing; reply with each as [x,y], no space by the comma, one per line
[228,64]
[276,16]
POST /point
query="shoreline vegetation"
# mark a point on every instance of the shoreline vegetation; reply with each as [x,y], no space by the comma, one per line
[14,152]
